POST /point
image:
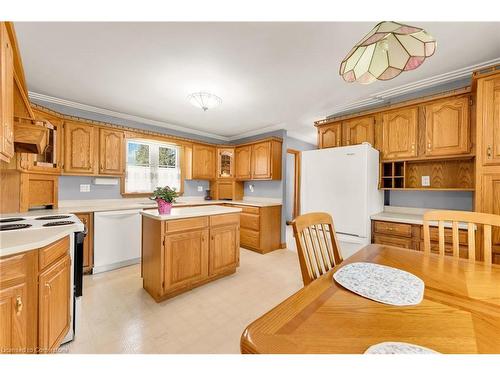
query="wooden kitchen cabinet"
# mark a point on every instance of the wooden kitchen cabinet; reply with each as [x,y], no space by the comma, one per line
[490,203]
[243,162]
[224,248]
[179,255]
[203,162]
[261,161]
[330,135]
[111,152]
[80,142]
[488,119]
[447,127]
[359,130]
[225,163]
[6,95]
[13,332]
[87,218]
[399,133]
[54,304]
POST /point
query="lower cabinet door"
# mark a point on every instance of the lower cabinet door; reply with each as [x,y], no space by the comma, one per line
[186,258]
[13,324]
[224,248]
[54,304]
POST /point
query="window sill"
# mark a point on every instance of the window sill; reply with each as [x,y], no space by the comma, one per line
[136,195]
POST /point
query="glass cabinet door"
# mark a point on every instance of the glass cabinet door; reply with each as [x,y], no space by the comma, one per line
[226,163]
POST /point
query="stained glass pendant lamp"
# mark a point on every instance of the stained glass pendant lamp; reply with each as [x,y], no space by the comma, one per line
[385,52]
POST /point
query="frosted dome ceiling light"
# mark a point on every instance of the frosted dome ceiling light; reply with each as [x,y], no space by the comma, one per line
[385,52]
[204,100]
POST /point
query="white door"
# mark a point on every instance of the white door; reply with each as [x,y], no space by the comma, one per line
[117,239]
[335,181]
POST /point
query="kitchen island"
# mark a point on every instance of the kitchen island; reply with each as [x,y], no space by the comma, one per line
[187,248]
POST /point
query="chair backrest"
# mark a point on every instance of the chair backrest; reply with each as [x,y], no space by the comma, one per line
[316,244]
[474,220]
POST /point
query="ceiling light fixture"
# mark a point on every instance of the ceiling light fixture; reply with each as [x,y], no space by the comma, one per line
[386,51]
[204,100]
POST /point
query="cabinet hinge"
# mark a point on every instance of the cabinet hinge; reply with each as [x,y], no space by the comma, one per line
[163,242]
[163,284]
[471,101]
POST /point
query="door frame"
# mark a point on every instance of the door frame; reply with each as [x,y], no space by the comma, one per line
[296,182]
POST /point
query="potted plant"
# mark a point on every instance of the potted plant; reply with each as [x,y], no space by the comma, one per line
[164,196]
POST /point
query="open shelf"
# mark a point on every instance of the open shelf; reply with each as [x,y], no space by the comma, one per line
[445,175]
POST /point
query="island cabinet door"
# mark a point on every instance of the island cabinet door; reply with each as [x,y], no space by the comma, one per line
[13,327]
[224,248]
[186,258]
[53,306]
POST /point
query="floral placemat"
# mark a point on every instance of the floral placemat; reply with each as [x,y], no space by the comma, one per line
[381,283]
[398,348]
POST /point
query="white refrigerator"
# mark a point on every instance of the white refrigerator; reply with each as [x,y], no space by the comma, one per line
[343,181]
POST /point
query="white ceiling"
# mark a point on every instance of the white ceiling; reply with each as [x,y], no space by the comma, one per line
[269,75]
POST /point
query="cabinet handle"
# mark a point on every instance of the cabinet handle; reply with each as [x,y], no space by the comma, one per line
[19,305]
[47,285]
[429,147]
[488,152]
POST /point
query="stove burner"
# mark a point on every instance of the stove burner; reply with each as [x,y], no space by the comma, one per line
[58,223]
[14,226]
[54,217]
[11,219]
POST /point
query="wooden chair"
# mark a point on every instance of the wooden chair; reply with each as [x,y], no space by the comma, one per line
[316,245]
[473,221]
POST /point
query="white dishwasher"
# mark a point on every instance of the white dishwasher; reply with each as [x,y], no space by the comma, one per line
[117,239]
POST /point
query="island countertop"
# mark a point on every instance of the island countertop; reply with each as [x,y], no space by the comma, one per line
[188,212]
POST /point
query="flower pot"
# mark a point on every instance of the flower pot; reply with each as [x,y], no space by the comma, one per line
[164,207]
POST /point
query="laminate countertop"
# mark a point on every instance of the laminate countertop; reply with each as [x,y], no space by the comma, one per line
[408,215]
[99,205]
[189,212]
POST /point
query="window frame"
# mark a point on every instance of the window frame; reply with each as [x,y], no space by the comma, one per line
[140,139]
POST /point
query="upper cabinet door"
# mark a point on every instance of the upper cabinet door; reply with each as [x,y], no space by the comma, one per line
[243,162]
[399,134]
[447,127]
[261,161]
[6,95]
[489,119]
[203,162]
[79,148]
[359,130]
[225,163]
[111,150]
[330,136]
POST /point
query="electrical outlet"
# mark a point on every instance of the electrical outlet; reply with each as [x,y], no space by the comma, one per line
[426,181]
[251,187]
[200,188]
[84,188]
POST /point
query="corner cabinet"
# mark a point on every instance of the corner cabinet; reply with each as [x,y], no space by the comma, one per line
[6,95]
[80,141]
[359,130]
[399,133]
[111,152]
[447,127]
[330,135]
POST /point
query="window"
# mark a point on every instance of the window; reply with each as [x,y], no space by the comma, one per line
[151,164]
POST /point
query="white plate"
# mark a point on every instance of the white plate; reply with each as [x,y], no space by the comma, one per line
[381,283]
[398,348]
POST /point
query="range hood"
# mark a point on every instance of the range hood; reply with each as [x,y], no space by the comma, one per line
[30,136]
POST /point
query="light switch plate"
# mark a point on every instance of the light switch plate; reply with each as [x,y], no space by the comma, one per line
[200,188]
[84,188]
[426,181]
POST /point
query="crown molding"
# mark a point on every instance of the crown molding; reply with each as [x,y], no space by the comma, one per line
[384,96]
[124,116]
[263,130]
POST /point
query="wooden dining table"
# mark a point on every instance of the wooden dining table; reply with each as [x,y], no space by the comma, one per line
[460,311]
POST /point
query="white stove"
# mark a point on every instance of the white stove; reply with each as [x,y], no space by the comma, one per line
[23,223]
